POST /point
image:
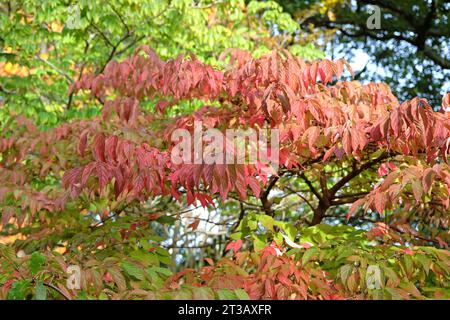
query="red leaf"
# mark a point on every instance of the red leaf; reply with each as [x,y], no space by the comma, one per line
[254,185]
[329,153]
[355,205]
[383,170]
[82,143]
[427,179]
[71,177]
[98,147]
[194,225]
[110,147]
[234,245]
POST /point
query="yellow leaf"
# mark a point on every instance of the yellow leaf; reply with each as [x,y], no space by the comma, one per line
[8,68]
[44,55]
[56,27]
[331,15]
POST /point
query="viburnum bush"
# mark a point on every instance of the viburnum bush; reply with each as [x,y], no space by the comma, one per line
[357,207]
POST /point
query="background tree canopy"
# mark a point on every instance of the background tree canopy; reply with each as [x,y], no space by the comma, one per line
[410,51]
[92,206]
[47,55]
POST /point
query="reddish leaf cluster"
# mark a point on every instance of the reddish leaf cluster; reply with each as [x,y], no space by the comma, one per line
[318,120]
[277,276]
[277,90]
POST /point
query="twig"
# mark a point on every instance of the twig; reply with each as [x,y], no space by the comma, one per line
[301,196]
[310,185]
[264,197]
[56,289]
[51,65]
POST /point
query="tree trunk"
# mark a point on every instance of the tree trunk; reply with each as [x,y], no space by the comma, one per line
[319,213]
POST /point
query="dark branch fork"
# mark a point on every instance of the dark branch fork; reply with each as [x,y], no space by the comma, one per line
[328,197]
[421,29]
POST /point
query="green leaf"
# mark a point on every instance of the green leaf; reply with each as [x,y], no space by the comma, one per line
[391,274]
[183,294]
[7,252]
[146,257]
[278,238]
[166,220]
[36,262]
[118,278]
[309,253]
[19,290]
[202,293]
[408,264]
[133,270]
[241,294]
[40,291]
[226,294]
[266,221]
[103,296]
[291,231]
[345,272]
[163,271]
[252,224]
[288,228]
[425,262]
[258,243]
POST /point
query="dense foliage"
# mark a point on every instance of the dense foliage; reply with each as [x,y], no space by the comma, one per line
[408,49]
[48,45]
[355,207]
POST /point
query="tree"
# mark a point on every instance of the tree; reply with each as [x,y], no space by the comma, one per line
[411,42]
[46,46]
[102,191]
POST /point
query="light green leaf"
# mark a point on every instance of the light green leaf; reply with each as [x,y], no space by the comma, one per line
[225,294]
[36,262]
[40,291]
[133,270]
[309,253]
[241,294]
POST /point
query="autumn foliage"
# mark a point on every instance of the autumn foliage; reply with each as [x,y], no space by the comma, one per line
[350,152]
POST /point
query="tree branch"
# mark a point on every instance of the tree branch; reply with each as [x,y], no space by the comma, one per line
[51,65]
[355,173]
[264,196]
[301,196]
[310,186]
